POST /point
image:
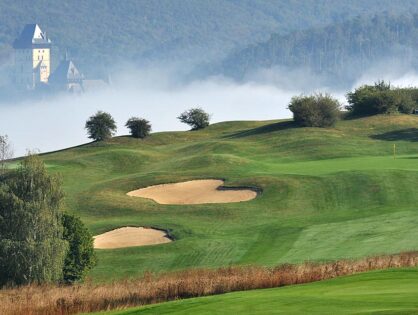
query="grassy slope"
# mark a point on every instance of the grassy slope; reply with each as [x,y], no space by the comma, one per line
[328,193]
[383,292]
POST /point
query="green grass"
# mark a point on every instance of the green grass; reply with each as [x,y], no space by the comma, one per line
[327,193]
[382,292]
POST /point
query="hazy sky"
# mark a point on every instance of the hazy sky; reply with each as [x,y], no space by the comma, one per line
[58,122]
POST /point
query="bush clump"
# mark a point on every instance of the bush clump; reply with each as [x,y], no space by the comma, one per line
[318,110]
[196,118]
[381,98]
[139,127]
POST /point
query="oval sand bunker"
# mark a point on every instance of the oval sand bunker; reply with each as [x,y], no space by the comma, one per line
[194,192]
[130,236]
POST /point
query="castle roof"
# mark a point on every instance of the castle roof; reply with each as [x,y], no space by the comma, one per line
[66,73]
[32,37]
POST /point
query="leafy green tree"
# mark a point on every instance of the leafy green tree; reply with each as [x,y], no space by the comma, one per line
[101,126]
[381,98]
[80,257]
[139,127]
[196,118]
[318,110]
[32,248]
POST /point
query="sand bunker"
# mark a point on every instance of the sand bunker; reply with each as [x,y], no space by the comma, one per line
[194,192]
[130,236]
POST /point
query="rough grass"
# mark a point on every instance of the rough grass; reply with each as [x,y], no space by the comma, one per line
[322,190]
[50,300]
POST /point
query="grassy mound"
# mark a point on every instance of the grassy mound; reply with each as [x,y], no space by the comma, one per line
[327,193]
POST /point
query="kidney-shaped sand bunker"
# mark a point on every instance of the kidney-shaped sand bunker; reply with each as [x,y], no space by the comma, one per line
[129,237]
[194,192]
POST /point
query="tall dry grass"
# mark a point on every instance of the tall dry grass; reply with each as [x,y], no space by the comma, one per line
[52,300]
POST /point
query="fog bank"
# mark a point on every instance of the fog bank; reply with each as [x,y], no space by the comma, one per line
[58,122]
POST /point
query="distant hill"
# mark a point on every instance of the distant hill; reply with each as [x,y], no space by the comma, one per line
[100,33]
[340,51]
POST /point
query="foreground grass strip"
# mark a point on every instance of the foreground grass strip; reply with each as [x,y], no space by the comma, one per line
[50,300]
[391,291]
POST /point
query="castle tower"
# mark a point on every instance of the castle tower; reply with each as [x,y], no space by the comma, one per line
[67,77]
[32,57]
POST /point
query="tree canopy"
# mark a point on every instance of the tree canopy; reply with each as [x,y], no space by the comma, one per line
[196,118]
[139,127]
[32,248]
[101,126]
[80,257]
[381,98]
[337,53]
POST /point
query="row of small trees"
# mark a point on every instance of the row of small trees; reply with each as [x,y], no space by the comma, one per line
[102,126]
[317,110]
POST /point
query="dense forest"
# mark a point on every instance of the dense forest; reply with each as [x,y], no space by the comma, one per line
[101,33]
[340,51]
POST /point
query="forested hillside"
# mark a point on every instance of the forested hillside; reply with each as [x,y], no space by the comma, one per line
[105,32]
[340,51]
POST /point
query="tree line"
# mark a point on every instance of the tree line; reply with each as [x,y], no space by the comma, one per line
[338,52]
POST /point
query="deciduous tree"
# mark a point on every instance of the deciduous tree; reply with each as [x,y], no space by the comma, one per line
[139,127]
[101,126]
[196,118]
[32,248]
[80,257]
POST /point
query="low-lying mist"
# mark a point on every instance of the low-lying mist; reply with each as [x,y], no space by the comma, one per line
[58,122]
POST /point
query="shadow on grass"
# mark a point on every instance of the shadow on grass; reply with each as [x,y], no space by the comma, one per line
[409,134]
[283,125]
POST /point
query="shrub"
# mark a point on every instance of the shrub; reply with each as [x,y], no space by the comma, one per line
[32,249]
[100,126]
[197,118]
[318,110]
[381,98]
[139,127]
[80,257]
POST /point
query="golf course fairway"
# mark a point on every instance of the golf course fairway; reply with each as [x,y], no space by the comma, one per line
[327,193]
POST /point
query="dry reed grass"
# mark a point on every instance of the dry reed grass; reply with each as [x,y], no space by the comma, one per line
[62,300]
